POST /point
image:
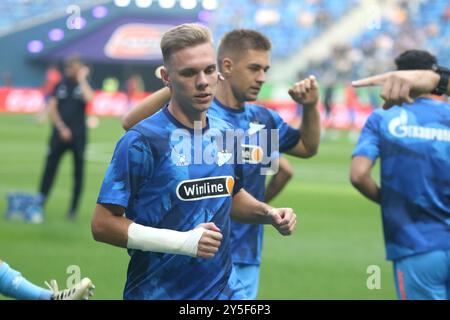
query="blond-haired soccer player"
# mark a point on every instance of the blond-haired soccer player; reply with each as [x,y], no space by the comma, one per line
[244,59]
[169,208]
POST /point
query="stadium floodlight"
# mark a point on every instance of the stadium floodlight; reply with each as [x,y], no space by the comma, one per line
[188,4]
[56,34]
[205,16]
[122,3]
[210,4]
[143,3]
[167,4]
[35,46]
[99,12]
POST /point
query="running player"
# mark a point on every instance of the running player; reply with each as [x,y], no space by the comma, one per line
[177,207]
[244,59]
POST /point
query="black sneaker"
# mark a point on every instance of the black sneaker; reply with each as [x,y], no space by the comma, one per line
[71,215]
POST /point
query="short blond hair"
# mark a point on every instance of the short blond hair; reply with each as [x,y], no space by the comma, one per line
[183,36]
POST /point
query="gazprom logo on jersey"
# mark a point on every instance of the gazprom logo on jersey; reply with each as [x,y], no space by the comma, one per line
[197,189]
[399,128]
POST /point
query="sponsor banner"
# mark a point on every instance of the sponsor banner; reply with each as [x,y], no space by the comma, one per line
[23,100]
[136,41]
[30,100]
[3,94]
[108,104]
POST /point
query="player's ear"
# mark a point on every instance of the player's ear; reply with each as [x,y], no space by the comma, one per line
[226,66]
[165,76]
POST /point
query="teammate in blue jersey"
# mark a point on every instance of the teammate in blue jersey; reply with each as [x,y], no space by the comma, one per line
[413,144]
[172,183]
[244,59]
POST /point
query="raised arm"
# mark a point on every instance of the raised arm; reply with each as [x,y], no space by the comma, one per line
[86,89]
[145,108]
[400,87]
[306,93]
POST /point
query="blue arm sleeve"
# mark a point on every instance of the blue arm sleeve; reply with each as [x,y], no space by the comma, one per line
[131,165]
[288,136]
[369,140]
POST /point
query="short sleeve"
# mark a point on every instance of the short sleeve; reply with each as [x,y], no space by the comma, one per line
[55,90]
[288,136]
[131,165]
[369,140]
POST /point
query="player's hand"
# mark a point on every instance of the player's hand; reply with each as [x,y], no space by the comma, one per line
[65,134]
[305,92]
[400,87]
[209,243]
[284,220]
[83,73]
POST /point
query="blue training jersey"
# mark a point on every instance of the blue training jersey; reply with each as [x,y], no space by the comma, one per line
[246,239]
[160,184]
[413,144]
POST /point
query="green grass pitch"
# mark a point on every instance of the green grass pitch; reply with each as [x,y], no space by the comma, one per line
[339,233]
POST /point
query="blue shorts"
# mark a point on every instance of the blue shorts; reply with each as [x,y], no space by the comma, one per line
[424,276]
[234,290]
[248,274]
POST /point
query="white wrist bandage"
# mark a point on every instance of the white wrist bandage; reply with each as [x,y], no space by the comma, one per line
[164,240]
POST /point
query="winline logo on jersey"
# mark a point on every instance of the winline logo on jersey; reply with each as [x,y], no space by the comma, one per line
[213,187]
[231,146]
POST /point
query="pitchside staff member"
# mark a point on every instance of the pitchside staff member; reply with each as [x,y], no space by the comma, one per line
[67,108]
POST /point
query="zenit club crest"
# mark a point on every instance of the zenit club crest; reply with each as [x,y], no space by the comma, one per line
[251,154]
[254,127]
[223,157]
[204,188]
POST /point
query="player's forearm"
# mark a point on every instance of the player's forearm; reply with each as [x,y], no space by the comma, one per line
[110,226]
[309,134]
[368,187]
[432,78]
[310,130]
[145,108]
[87,91]
[246,209]
[276,184]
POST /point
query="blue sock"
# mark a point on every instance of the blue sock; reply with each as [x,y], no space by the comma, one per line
[13,285]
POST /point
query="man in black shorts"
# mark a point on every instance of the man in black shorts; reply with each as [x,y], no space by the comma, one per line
[67,107]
